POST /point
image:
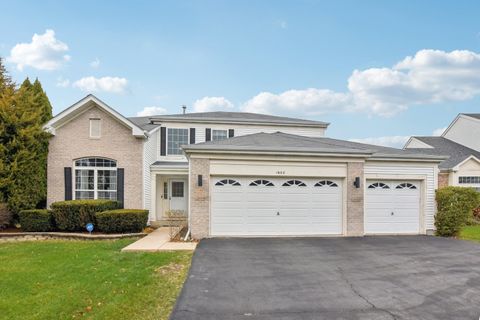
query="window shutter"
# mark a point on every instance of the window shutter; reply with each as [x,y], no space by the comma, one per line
[192,135]
[67,173]
[208,134]
[120,185]
[231,133]
[163,141]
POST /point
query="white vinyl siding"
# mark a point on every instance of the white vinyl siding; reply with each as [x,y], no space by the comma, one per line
[149,157]
[428,171]
[465,131]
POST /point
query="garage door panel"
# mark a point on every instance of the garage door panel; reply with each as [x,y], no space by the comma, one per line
[303,210]
[400,198]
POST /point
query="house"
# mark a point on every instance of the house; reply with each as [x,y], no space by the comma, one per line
[240,174]
[461,144]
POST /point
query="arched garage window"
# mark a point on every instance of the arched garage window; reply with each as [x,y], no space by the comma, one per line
[290,183]
[406,185]
[95,178]
[265,183]
[326,183]
[227,182]
[378,185]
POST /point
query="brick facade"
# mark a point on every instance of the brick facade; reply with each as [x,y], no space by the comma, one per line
[72,141]
[199,198]
[355,199]
[443,180]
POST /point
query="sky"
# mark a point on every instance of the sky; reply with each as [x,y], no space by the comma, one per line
[378,71]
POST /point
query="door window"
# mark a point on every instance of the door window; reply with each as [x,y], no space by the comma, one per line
[177,189]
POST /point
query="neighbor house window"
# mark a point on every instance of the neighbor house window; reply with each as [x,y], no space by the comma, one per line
[219,135]
[176,138]
[95,128]
[95,178]
[469,180]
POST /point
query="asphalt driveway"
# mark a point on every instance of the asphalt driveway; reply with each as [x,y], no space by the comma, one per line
[411,277]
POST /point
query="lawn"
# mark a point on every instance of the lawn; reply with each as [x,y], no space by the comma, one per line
[470,233]
[88,280]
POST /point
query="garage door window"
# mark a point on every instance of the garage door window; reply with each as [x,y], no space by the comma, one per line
[406,186]
[378,185]
[228,182]
[326,183]
[263,183]
[290,183]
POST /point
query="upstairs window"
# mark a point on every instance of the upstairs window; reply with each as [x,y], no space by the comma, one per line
[95,128]
[95,178]
[218,135]
[176,138]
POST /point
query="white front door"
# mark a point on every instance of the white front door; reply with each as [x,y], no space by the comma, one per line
[392,207]
[178,194]
[264,206]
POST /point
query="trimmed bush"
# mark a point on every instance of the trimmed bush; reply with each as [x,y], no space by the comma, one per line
[454,209]
[5,216]
[36,220]
[122,220]
[73,215]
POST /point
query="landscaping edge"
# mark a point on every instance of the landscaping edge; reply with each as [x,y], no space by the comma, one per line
[28,236]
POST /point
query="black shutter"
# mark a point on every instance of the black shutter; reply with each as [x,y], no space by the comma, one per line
[120,185]
[231,133]
[208,134]
[67,173]
[192,135]
[163,141]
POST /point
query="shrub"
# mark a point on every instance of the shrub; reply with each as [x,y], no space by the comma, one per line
[73,215]
[36,220]
[122,220]
[5,216]
[454,209]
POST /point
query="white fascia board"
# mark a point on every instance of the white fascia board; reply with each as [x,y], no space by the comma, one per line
[63,116]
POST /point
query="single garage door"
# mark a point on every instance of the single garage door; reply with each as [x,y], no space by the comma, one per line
[262,206]
[392,207]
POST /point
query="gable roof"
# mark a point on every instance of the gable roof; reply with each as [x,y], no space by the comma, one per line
[85,104]
[289,143]
[456,152]
[237,117]
[472,115]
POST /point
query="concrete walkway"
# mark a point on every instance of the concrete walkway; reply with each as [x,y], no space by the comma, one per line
[159,240]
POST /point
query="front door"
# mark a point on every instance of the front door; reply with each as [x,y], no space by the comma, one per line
[178,195]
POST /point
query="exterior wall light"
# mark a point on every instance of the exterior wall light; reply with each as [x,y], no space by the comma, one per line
[199,180]
[356,183]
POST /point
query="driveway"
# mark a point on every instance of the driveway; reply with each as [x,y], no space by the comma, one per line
[407,277]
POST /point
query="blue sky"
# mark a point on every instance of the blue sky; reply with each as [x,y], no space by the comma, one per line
[345,62]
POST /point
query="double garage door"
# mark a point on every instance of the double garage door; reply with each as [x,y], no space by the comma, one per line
[261,206]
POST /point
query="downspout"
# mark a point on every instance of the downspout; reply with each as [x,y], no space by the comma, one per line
[189,202]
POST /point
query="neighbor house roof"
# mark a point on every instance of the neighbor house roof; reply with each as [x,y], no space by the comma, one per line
[472,115]
[289,143]
[236,117]
[456,152]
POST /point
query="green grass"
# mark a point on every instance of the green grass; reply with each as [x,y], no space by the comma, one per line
[470,233]
[88,280]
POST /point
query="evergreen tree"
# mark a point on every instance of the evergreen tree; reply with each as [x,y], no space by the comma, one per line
[24,148]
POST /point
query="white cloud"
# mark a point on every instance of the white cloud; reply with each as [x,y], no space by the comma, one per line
[106,84]
[283,24]
[428,77]
[439,131]
[45,52]
[95,63]
[388,141]
[63,83]
[151,111]
[212,104]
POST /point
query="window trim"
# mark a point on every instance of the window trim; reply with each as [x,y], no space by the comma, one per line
[95,177]
[91,120]
[167,140]
[224,130]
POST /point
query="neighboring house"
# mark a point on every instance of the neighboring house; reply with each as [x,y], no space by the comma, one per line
[240,174]
[461,144]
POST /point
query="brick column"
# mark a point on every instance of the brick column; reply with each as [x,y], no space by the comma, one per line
[442,180]
[355,199]
[199,198]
